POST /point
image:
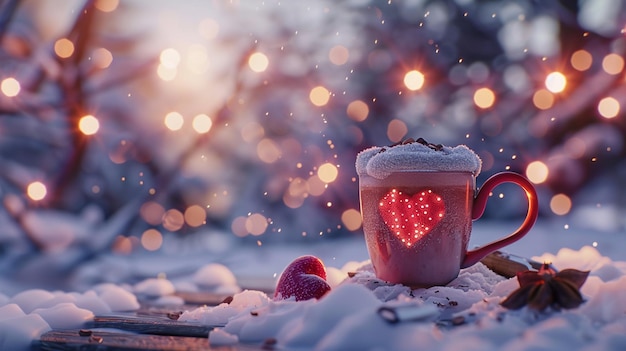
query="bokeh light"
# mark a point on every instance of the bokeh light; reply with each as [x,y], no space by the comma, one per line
[123,245]
[613,64]
[256,224]
[543,99]
[414,80]
[170,58]
[152,212]
[268,151]
[107,5]
[166,73]
[609,107]
[581,60]
[10,87]
[298,187]
[88,125]
[64,48]
[484,98]
[151,239]
[102,58]
[258,62]
[173,220]
[296,193]
[195,216]
[327,172]
[36,191]
[202,123]
[358,110]
[560,204]
[238,226]
[338,55]
[315,185]
[556,82]
[174,121]
[396,130]
[319,96]
[351,219]
[537,172]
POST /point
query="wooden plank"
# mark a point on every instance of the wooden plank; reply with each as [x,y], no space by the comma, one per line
[86,340]
[104,340]
[156,325]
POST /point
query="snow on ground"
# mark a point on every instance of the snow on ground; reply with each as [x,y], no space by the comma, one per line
[28,314]
[348,317]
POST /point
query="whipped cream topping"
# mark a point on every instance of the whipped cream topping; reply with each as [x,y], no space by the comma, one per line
[379,162]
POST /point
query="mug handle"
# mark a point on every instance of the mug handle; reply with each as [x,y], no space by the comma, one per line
[473,256]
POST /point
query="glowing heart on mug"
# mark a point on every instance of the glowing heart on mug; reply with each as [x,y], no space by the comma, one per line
[410,217]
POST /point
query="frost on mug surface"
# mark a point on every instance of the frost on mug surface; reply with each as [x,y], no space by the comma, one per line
[416,203]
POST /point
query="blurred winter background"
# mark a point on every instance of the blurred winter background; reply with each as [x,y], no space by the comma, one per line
[135,126]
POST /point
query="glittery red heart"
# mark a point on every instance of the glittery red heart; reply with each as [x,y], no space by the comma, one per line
[410,217]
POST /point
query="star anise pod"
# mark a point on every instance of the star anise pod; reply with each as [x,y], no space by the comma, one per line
[547,287]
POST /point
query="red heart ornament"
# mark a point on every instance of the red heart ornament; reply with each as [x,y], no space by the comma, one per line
[410,217]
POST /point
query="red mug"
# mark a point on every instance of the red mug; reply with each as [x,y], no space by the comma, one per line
[417,224]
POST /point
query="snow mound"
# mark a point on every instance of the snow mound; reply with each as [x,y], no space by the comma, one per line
[218,337]
[18,333]
[117,298]
[64,316]
[89,301]
[219,315]
[29,299]
[214,275]
[30,313]
[10,311]
[154,287]
[586,259]
[216,278]
[326,314]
